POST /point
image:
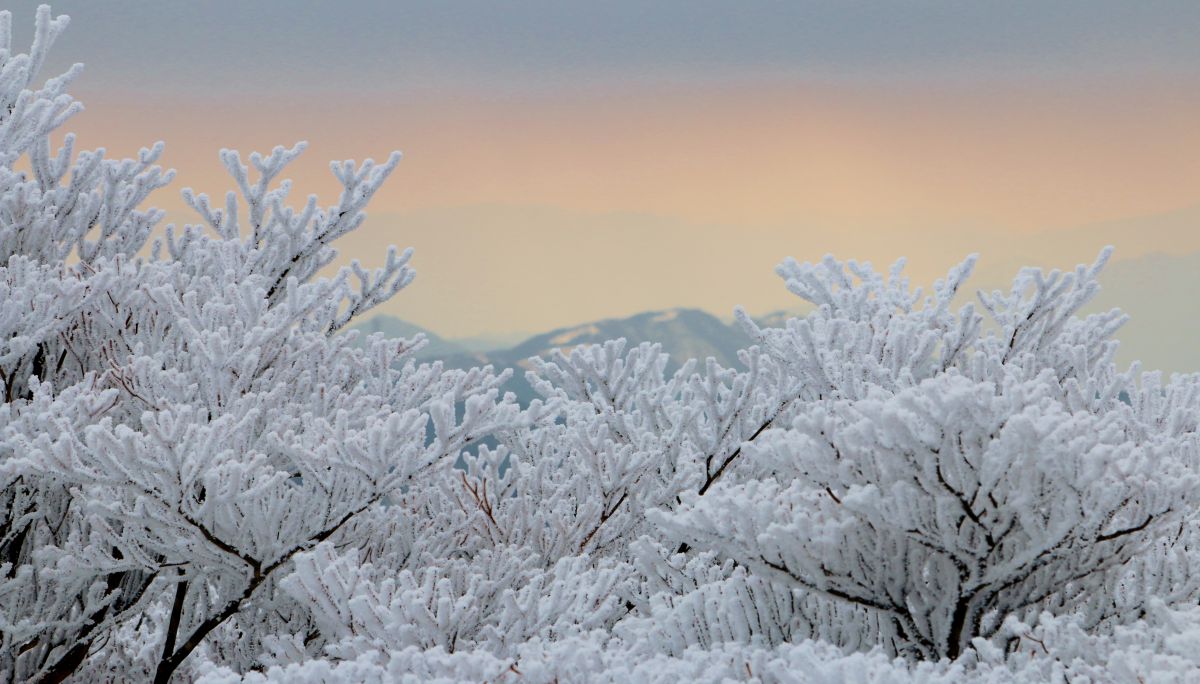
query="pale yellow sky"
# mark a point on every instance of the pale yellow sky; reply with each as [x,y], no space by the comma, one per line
[533,212]
[1029,157]
[572,161]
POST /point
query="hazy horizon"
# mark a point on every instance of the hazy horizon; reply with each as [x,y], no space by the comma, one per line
[674,154]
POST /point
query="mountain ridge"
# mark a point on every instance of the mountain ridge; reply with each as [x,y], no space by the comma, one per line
[684,333]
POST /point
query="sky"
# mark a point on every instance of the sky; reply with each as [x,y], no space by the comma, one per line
[568,161]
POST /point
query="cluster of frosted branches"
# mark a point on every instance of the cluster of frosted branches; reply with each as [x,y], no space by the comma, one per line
[201,477]
[177,428]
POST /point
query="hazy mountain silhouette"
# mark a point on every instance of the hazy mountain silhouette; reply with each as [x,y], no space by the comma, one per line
[1148,287]
[436,347]
[683,333]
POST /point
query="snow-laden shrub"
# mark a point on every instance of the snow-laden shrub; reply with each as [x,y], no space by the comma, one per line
[1161,648]
[203,477]
[177,427]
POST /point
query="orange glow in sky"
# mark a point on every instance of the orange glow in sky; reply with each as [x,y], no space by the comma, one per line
[588,166]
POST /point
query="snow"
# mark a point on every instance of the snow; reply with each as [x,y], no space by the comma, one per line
[202,481]
[569,336]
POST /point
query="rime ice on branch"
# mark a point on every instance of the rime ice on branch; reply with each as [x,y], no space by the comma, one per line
[201,478]
[176,429]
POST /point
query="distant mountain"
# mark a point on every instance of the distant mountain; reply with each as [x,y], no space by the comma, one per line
[436,348]
[492,342]
[683,333]
[1162,332]
[778,319]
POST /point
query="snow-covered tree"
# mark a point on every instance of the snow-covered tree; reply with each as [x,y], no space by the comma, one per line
[205,475]
[177,427]
[944,482]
